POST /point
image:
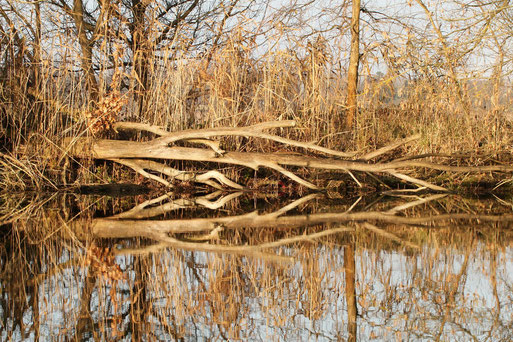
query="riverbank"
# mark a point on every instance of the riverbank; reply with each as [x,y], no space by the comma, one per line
[228,95]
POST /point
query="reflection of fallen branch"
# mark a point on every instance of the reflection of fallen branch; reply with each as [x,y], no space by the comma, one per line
[390,236]
[415,203]
[149,208]
[159,247]
[292,205]
[108,228]
[129,226]
[201,232]
[167,241]
[213,235]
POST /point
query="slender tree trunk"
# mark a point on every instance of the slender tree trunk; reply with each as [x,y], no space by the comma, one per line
[354,60]
[85,322]
[37,49]
[35,85]
[140,46]
[352,311]
[86,46]
[139,309]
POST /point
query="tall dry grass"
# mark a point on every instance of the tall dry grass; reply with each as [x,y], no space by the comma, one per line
[235,84]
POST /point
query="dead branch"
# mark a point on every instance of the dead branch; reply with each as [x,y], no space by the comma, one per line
[389,148]
[141,165]
[255,131]
[137,154]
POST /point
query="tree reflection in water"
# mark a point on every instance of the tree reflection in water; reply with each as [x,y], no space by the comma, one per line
[211,267]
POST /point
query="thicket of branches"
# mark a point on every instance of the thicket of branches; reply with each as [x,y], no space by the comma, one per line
[439,67]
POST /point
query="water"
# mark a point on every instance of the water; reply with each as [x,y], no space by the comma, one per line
[246,267]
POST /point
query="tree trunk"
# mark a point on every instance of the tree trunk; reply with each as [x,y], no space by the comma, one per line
[86,46]
[141,50]
[352,75]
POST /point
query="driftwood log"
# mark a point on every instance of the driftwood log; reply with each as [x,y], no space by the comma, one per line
[141,156]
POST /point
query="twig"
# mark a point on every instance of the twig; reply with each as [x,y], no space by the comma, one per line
[353,205]
[134,165]
[420,201]
[288,241]
[213,235]
[214,145]
[292,176]
[416,181]
[132,213]
[390,147]
[390,236]
[218,203]
[292,205]
[140,165]
[142,210]
[403,192]
[354,178]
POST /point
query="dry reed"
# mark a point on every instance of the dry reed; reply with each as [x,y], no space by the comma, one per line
[237,83]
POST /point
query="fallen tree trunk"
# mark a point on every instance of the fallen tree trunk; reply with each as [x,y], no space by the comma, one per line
[135,155]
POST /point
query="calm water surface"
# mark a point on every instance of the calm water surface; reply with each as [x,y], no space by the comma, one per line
[245,267]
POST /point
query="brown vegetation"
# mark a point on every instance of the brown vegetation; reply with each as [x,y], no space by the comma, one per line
[191,65]
[140,156]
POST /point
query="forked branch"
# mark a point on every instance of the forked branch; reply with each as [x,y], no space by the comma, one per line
[140,156]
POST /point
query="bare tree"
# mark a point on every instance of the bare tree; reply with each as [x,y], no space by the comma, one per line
[144,29]
[352,76]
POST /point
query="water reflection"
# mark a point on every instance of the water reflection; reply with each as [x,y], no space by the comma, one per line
[237,267]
